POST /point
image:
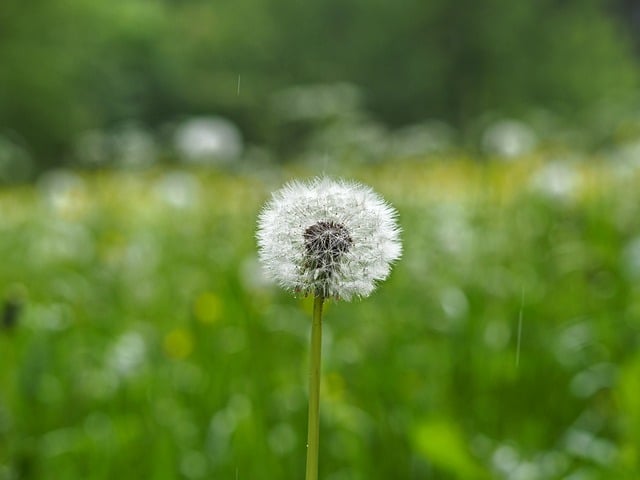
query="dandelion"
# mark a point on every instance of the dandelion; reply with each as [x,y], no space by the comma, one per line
[328,238]
[332,239]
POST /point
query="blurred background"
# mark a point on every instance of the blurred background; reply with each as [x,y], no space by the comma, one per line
[97,84]
[139,140]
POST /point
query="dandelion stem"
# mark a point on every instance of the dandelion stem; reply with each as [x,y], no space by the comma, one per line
[313,436]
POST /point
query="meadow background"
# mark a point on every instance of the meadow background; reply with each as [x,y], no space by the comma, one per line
[138,142]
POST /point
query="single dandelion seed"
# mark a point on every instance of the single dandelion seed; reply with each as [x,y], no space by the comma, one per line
[332,239]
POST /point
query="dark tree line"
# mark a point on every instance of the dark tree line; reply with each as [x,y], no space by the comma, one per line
[66,67]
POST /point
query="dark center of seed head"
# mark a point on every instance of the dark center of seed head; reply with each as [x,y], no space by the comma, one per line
[325,242]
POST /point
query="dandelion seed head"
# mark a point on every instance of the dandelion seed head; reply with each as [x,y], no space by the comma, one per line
[327,237]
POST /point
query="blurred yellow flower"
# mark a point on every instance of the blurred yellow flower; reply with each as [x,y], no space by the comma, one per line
[207,308]
[178,343]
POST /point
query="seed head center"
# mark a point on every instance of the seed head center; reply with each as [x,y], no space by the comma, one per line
[325,243]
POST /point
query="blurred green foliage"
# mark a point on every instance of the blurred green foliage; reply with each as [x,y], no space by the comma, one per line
[76,65]
[146,343]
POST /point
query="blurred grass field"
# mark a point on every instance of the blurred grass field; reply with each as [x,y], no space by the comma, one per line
[140,340]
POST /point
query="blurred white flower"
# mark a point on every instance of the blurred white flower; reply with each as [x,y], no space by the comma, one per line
[127,354]
[63,191]
[330,238]
[178,189]
[208,140]
[509,139]
[557,179]
[134,146]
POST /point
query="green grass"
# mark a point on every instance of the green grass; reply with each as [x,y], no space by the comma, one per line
[149,346]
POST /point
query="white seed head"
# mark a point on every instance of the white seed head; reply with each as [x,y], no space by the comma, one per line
[329,238]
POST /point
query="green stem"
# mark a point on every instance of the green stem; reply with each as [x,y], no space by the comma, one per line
[313,437]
